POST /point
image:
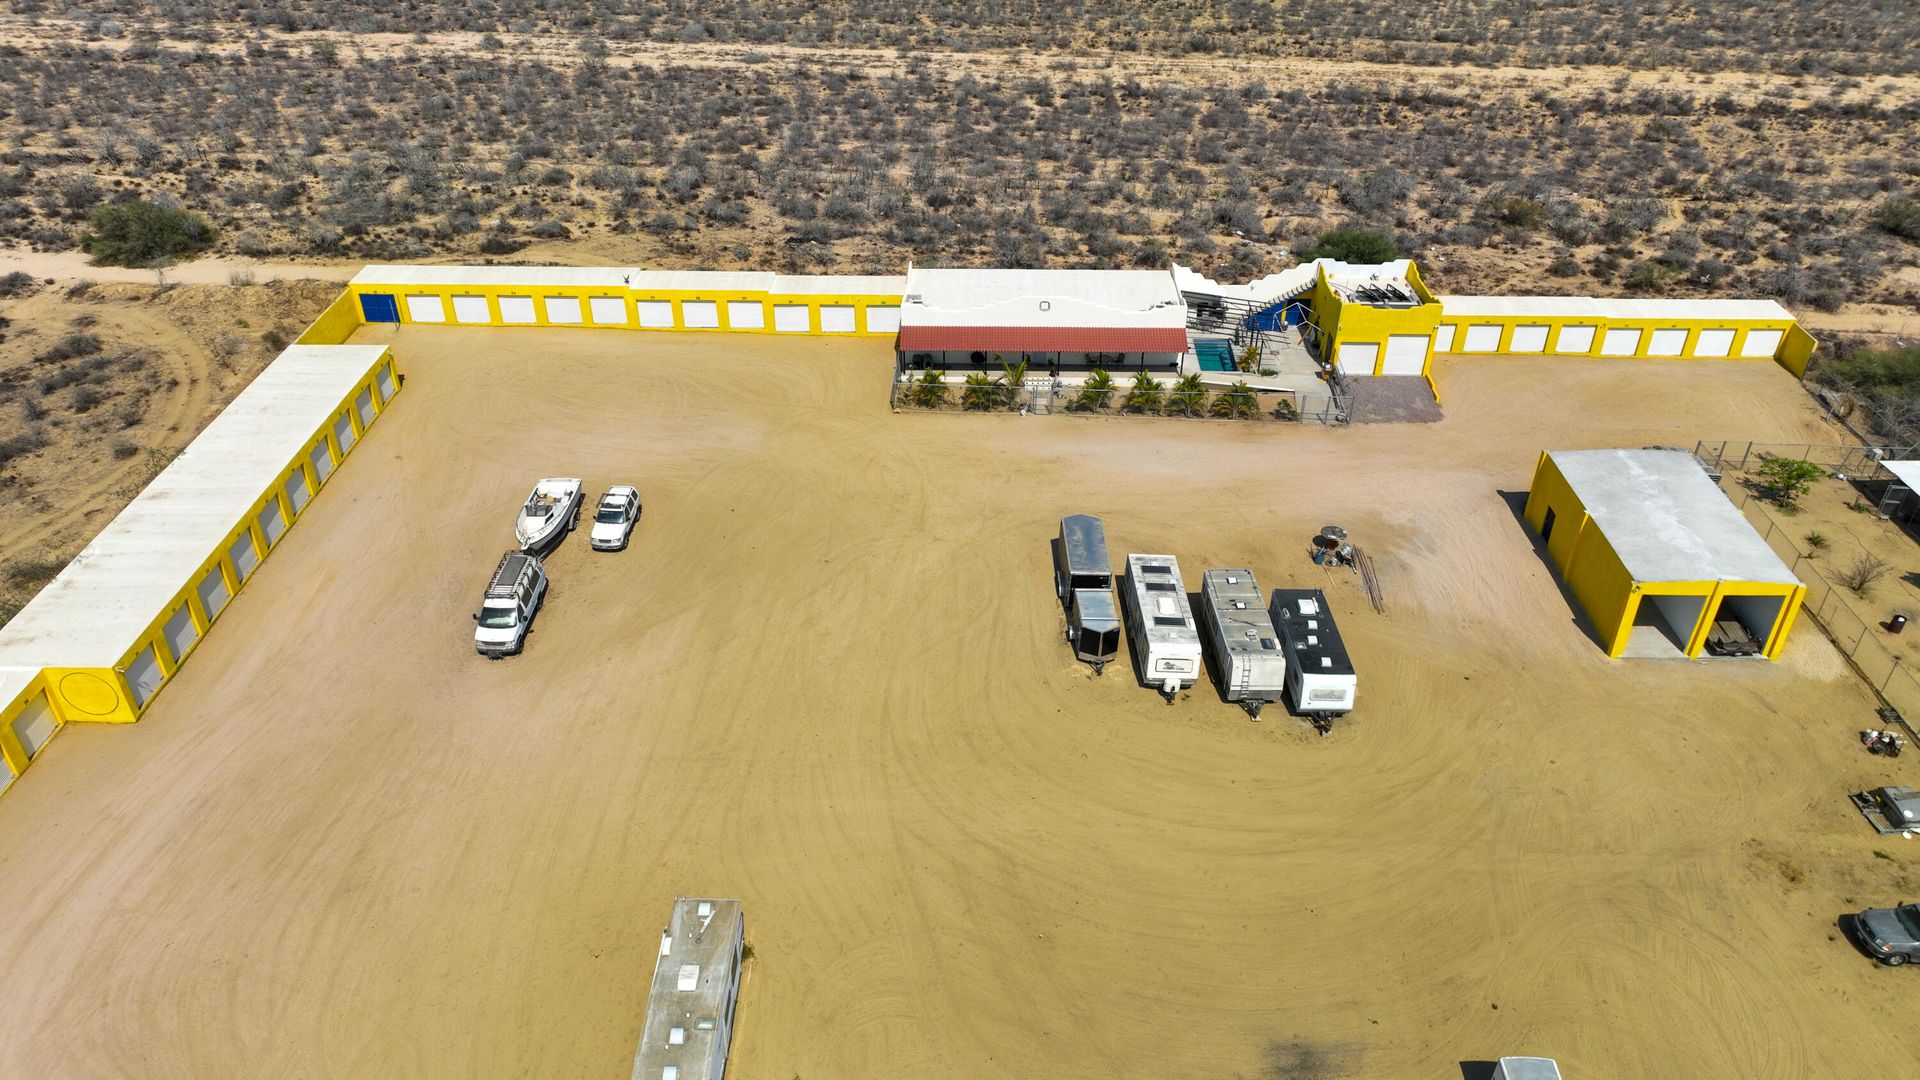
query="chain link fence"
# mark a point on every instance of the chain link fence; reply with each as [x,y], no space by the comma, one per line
[1735,455]
[1829,605]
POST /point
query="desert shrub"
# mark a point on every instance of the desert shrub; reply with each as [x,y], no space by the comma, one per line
[1352,245]
[1784,480]
[17,283]
[21,443]
[1859,575]
[1901,217]
[140,233]
[71,347]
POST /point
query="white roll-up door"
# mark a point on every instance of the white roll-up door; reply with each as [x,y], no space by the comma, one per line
[883,319]
[607,310]
[792,319]
[563,310]
[426,309]
[471,309]
[212,591]
[656,314]
[700,314]
[836,319]
[1713,343]
[1359,357]
[746,314]
[363,407]
[1620,343]
[144,676]
[321,459]
[343,433]
[383,382]
[1667,343]
[1482,339]
[243,556]
[1406,355]
[517,310]
[1443,338]
[1761,342]
[180,632]
[35,725]
[6,774]
[297,490]
[1528,339]
[272,522]
[1574,339]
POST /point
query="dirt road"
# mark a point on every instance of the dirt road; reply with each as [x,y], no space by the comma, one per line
[827,678]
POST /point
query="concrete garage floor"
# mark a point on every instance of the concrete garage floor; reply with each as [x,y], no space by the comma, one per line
[827,678]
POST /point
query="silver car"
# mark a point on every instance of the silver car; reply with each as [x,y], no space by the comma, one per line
[1892,934]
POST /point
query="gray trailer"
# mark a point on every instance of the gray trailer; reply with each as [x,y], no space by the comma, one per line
[1166,642]
[1247,655]
[1083,580]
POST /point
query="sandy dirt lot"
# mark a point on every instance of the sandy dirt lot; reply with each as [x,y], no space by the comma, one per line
[827,678]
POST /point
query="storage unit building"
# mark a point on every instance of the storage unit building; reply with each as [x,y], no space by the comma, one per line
[1166,643]
[696,984]
[111,629]
[1320,674]
[1656,554]
[1050,318]
[1247,653]
[1650,329]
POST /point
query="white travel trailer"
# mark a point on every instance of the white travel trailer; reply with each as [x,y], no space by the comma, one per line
[1166,643]
[1319,672]
[696,984]
[1526,1068]
[1247,654]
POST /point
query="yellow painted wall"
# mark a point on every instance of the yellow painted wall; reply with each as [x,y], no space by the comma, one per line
[11,751]
[1343,323]
[1797,351]
[336,324]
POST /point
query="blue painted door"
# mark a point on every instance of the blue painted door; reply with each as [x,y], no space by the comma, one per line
[379,307]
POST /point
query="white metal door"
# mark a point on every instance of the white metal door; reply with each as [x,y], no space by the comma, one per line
[1713,343]
[35,725]
[1528,339]
[181,632]
[383,381]
[1358,357]
[343,432]
[426,309]
[792,319]
[1574,339]
[212,591]
[321,459]
[609,311]
[746,315]
[242,554]
[836,319]
[883,319]
[471,309]
[1482,339]
[144,676]
[1620,343]
[1406,355]
[1667,343]
[363,405]
[563,310]
[656,314]
[700,314]
[1761,342]
[517,310]
[1443,338]
[272,524]
[296,491]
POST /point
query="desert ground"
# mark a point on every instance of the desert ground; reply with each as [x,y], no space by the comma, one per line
[828,678]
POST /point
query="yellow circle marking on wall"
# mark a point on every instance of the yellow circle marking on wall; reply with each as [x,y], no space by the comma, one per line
[89,694]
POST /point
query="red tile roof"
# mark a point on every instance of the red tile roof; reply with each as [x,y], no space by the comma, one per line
[1045,338]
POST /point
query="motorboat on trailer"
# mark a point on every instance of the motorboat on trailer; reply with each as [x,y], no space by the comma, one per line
[549,514]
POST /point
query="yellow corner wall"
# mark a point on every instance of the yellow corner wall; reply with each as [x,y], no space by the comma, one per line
[1796,352]
[11,752]
[336,324]
[1342,323]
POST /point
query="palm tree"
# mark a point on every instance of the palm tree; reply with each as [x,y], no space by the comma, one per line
[1188,394]
[980,392]
[930,391]
[1236,402]
[1014,377]
[1145,394]
[1095,392]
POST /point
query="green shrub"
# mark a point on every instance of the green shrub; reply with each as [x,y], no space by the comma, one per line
[1901,217]
[1354,246]
[1784,480]
[140,233]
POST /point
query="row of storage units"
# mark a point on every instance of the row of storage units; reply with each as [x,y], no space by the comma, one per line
[108,632]
[1583,326]
[744,301]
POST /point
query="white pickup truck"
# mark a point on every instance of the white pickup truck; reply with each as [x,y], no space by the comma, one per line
[506,612]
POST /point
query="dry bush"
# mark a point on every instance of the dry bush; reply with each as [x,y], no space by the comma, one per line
[1859,575]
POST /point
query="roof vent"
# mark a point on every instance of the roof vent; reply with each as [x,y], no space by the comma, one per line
[689,977]
[1046,305]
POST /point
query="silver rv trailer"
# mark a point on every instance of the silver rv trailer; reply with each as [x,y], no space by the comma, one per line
[696,984]
[1166,643]
[1319,672]
[1083,579]
[1247,654]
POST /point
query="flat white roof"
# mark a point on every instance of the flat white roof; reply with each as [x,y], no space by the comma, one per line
[93,612]
[690,1006]
[1455,307]
[1666,518]
[631,277]
[1907,472]
[1043,298]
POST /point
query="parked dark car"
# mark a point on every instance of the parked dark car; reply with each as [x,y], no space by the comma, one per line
[1892,934]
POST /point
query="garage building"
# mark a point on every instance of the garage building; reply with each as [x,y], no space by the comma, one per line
[1655,553]
[1053,319]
